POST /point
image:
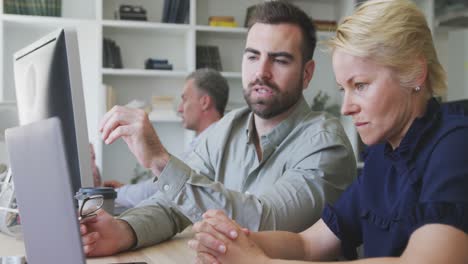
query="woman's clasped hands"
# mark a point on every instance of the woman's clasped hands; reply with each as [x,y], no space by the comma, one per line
[219,239]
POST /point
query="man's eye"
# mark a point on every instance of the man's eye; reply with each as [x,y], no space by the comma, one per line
[281,61]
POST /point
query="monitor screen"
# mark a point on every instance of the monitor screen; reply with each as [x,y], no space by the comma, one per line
[48,83]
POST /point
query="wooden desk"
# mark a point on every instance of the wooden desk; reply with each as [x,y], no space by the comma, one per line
[171,251]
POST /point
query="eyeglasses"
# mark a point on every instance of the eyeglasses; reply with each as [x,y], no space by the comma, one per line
[88,205]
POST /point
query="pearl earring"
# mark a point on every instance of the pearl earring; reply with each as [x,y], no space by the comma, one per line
[417,89]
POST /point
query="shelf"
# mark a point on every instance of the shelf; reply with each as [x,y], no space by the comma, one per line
[41,20]
[143,73]
[166,116]
[324,35]
[7,103]
[457,18]
[144,25]
[239,30]
[234,75]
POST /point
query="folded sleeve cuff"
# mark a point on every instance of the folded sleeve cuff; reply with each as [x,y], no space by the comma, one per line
[147,234]
[143,236]
[173,178]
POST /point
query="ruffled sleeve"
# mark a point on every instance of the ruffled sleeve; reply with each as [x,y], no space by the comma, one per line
[330,218]
[343,219]
[443,198]
[452,214]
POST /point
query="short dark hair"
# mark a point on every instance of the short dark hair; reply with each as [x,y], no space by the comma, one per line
[214,84]
[279,12]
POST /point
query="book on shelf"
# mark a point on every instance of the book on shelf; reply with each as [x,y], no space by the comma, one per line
[163,115]
[111,97]
[175,11]
[223,24]
[157,64]
[182,12]
[325,25]
[222,21]
[111,56]
[163,108]
[208,57]
[221,18]
[33,7]
[161,102]
[131,12]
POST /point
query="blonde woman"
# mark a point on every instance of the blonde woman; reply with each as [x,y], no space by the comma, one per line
[410,204]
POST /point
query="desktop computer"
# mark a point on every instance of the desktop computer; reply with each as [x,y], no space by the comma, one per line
[50,155]
[48,84]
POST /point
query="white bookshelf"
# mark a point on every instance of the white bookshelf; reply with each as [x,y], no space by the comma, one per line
[139,40]
[142,73]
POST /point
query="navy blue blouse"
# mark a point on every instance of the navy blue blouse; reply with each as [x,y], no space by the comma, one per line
[424,180]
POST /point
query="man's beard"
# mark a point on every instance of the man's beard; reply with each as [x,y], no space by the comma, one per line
[278,104]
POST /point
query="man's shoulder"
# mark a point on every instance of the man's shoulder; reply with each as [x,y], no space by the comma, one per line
[224,126]
[318,122]
[234,116]
[237,113]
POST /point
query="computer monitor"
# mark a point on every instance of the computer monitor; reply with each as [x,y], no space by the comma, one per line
[48,83]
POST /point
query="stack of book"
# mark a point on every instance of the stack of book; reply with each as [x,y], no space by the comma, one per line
[162,102]
[176,11]
[162,108]
[111,57]
[110,95]
[222,21]
[158,64]
[208,57]
[33,7]
[130,12]
[325,25]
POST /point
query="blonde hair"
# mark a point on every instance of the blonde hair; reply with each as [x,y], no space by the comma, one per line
[393,33]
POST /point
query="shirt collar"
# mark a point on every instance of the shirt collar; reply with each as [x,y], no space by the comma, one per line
[415,133]
[278,133]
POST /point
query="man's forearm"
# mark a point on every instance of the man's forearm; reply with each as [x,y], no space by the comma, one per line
[159,163]
[155,223]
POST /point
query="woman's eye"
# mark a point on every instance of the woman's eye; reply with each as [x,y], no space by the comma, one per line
[361,86]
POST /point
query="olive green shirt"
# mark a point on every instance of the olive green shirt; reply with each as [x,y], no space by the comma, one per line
[307,161]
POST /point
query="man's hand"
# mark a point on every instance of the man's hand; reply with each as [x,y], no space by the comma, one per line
[219,239]
[134,127]
[113,183]
[103,235]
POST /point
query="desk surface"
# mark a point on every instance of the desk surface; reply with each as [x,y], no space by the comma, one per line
[171,251]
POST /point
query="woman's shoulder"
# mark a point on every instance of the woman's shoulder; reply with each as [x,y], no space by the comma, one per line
[450,130]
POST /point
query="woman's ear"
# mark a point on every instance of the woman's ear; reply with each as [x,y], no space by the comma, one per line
[422,73]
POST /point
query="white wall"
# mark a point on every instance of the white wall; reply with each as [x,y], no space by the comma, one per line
[458,65]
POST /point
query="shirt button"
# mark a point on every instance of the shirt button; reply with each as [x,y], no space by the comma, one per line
[166,187]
